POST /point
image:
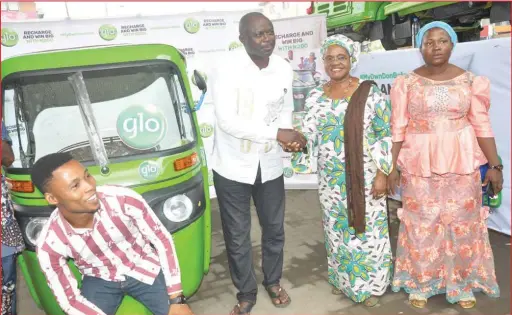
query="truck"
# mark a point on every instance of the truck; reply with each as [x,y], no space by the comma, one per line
[396,23]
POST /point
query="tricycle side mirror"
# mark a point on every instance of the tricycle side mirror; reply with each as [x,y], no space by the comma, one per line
[200,81]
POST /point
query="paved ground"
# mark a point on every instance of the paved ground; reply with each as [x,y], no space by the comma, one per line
[305,273]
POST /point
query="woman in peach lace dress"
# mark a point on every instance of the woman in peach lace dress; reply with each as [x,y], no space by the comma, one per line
[441,135]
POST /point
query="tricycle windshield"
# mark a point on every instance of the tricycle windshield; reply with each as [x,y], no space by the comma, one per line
[137,109]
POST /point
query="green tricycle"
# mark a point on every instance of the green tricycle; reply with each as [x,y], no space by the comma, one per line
[126,112]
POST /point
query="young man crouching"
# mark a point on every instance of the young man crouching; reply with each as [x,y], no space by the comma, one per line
[108,232]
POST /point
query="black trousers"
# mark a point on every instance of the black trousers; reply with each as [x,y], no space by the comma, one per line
[235,201]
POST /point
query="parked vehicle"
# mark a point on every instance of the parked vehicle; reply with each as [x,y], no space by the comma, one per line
[126,112]
[393,23]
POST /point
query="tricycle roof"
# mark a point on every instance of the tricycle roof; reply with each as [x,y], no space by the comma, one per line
[91,55]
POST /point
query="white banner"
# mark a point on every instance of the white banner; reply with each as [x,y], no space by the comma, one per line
[202,37]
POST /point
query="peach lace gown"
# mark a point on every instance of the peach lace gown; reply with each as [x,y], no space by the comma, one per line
[443,243]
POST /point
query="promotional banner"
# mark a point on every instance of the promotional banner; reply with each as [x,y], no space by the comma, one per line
[204,37]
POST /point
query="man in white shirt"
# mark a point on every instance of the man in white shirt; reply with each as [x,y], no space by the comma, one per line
[253,107]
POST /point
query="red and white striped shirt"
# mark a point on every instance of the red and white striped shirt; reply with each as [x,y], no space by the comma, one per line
[118,245]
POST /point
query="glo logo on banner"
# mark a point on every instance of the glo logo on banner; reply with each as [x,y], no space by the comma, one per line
[108,32]
[141,127]
[288,172]
[9,37]
[206,130]
[191,25]
[203,156]
[149,170]
[210,178]
[235,45]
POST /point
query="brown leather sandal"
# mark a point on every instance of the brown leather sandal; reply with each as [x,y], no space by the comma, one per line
[467,304]
[417,301]
[242,308]
[279,295]
[335,291]
[371,301]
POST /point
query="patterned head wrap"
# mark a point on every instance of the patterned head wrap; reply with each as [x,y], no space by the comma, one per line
[353,48]
[437,24]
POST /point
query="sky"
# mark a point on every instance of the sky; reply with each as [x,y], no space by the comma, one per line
[82,10]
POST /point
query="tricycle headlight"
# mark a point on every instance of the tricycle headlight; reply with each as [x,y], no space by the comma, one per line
[178,208]
[34,228]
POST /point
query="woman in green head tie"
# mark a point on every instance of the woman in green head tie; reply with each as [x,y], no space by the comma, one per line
[346,124]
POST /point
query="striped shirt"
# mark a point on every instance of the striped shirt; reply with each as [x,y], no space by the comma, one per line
[118,245]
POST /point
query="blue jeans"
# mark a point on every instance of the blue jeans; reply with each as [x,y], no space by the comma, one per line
[107,295]
[9,285]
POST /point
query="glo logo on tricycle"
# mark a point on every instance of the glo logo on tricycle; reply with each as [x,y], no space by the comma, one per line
[9,37]
[149,170]
[141,127]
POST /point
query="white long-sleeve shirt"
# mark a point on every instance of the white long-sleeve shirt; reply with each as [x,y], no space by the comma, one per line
[250,106]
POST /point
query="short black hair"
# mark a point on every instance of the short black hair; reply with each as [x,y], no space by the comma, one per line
[243,25]
[42,171]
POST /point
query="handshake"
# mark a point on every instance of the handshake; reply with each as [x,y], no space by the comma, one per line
[291,140]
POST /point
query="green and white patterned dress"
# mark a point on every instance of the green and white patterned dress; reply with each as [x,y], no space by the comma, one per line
[359,264]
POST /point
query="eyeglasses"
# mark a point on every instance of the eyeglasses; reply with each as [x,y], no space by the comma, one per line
[331,59]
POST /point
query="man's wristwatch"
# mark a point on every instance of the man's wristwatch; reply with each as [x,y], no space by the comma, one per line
[178,300]
[498,167]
